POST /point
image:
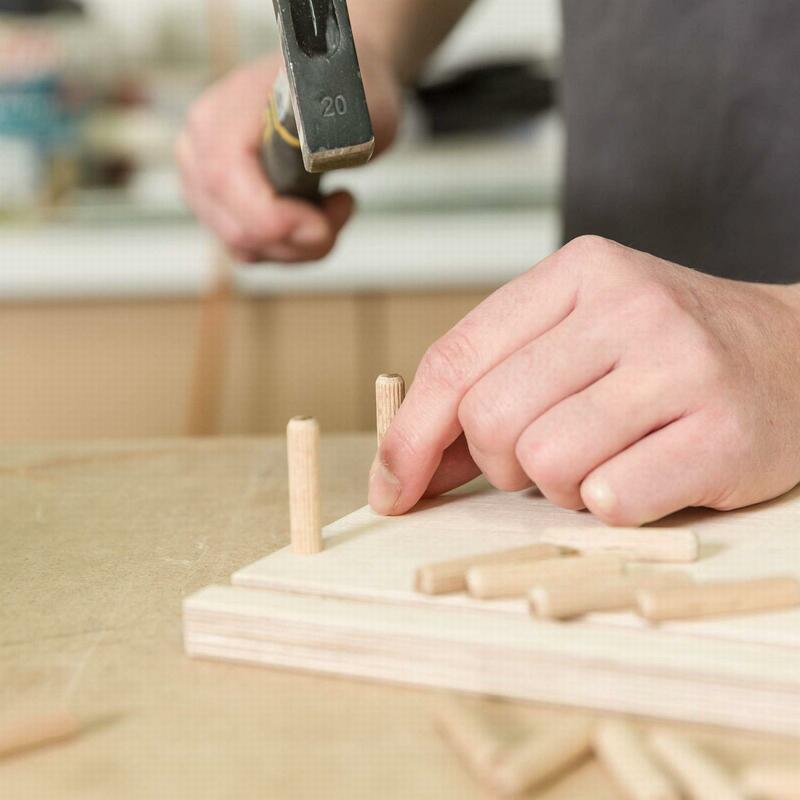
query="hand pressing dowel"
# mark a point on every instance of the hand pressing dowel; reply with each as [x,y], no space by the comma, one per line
[613,380]
[37,731]
[302,444]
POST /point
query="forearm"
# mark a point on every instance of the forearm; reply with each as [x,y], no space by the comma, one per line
[406,31]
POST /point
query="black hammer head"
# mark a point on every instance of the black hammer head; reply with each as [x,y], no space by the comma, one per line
[327,93]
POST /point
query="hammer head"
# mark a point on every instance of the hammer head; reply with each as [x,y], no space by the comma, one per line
[325,83]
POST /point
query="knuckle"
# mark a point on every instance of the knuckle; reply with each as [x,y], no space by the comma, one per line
[248,240]
[590,243]
[483,425]
[447,363]
[243,238]
[276,227]
[545,464]
[235,237]
[588,249]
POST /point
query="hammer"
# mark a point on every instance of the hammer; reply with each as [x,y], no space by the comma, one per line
[317,119]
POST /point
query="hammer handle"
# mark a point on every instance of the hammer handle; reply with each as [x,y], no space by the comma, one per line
[281,153]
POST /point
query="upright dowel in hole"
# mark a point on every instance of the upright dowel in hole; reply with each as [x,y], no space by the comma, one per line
[390,390]
[302,444]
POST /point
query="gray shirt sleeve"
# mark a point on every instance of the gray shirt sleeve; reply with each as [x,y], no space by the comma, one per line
[683,125]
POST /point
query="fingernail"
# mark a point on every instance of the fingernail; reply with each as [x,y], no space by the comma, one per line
[384,488]
[310,234]
[598,495]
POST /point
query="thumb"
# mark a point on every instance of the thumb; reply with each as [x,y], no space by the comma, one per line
[456,469]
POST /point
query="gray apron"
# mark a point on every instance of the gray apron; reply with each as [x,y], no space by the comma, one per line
[683,126]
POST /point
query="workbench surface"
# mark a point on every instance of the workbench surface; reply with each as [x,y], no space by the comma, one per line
[100,542]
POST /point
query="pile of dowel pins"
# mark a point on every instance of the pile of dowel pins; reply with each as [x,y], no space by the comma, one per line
[569,572]
[644,763]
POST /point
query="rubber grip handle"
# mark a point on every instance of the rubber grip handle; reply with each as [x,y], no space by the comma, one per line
[282,158]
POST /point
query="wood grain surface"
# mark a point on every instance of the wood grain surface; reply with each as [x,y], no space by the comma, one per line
[99,543]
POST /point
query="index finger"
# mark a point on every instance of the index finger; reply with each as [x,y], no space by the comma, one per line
[427,422]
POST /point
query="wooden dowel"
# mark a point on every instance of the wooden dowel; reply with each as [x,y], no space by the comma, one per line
[621,751]
[542,757]
[37,731]
[302,441]
[563,600]
[699,776]
[718,597]
[470,737]
[515,580]
[772,781]
[451,576]
[638,544]
[390,391]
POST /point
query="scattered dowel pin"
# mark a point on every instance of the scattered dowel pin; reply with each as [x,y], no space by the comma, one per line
[302,442]
[638,544]
[542,758]
[37,731]
[772,781]
[717,598]
[621,751]
[563,600]
[515,580]
[390,391]
[698,774]
[471,738]
[451,576]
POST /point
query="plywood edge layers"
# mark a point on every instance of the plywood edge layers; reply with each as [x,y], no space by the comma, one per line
[345,638]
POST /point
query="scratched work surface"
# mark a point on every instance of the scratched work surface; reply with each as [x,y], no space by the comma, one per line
[99,543]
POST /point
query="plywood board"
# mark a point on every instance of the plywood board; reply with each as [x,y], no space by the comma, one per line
[374,558]
[352,610]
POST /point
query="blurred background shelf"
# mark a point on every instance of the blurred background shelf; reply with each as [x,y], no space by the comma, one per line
[118,316]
